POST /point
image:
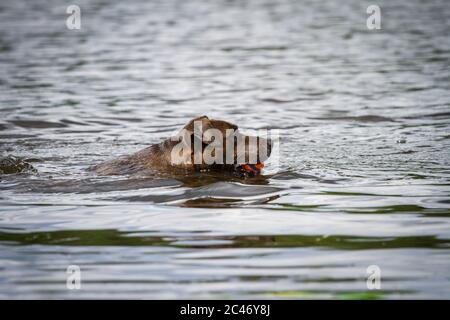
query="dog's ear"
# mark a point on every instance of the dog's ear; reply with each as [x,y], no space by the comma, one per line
[224,126]
[197,126]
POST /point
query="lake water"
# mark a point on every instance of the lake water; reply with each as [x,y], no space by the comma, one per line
[364,171]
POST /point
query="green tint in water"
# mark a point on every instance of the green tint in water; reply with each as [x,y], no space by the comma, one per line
[362,177]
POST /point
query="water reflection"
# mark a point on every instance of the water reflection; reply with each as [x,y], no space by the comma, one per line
[364,137]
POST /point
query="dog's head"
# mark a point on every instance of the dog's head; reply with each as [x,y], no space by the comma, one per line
[208,144]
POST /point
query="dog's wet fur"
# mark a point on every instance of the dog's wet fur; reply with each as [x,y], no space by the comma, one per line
[158,157]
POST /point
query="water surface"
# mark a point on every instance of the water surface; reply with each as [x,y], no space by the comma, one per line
[364,171]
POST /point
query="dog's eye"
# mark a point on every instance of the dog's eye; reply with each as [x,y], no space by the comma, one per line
[205,143]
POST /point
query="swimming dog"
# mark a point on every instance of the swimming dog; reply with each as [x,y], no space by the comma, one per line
[201,145]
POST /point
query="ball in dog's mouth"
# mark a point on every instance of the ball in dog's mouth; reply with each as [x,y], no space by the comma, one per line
[248,170]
